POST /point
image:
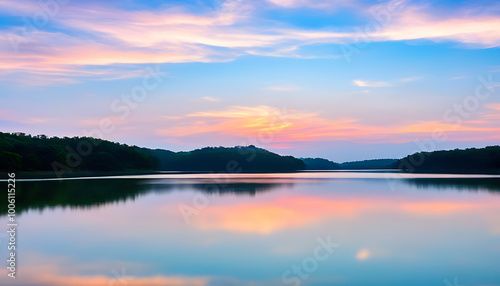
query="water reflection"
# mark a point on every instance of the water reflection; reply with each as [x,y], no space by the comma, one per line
[253,229]
[485,184]
[39,195]
[84,193]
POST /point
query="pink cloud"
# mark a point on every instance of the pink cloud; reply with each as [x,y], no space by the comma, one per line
[174,35]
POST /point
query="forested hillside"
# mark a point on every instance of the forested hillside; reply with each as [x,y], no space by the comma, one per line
[235,159]
[320,164]
[457,161]
[21,152]
[370,164]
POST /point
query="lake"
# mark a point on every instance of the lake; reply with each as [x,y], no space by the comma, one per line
[309,228]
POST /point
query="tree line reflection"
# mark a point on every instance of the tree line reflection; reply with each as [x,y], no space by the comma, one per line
[86,194]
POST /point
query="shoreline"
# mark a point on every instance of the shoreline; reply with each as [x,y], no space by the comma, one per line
[85,174]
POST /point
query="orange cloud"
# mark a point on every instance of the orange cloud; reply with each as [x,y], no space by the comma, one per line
[238,120]
[281,126]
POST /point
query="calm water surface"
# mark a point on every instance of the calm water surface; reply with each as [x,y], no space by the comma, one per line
[311,228]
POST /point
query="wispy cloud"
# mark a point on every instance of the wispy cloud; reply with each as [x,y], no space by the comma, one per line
[211,99]
[92,34]
[363,83]
[415,23]
[493,106]
[7,115]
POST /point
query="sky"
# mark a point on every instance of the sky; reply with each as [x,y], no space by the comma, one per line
[342,80]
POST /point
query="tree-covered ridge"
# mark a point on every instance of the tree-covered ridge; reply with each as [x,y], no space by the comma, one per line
[21,152]
[231,160]
[320,164]
[370,164]
[471,160]
[324,164]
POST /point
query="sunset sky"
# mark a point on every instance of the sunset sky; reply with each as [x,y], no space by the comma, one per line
[339,79]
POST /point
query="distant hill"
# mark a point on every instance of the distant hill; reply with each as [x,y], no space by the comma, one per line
[235,159]
[162,156]
[370,164]
[320,164]
[454,161]
[324,164]
[20,152]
